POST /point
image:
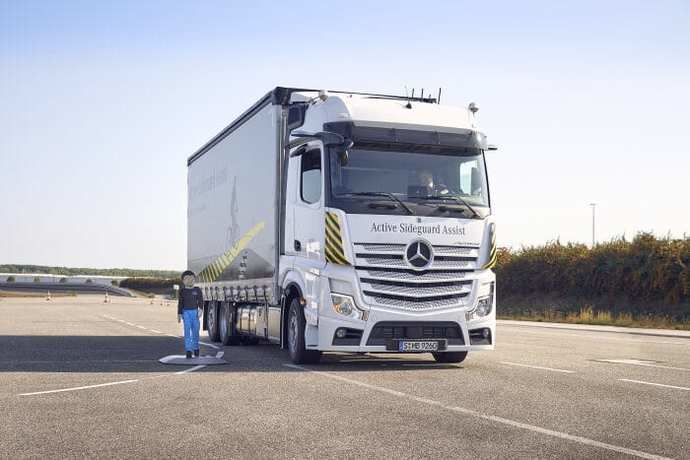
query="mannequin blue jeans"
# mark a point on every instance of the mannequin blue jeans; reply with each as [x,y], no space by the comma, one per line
[191,329]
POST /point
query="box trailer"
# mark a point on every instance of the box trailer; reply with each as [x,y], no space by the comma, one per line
[342,221]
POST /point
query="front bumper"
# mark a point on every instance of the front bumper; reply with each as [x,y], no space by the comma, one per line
[430,326]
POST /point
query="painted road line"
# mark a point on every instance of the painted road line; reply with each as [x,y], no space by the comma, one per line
[542,368]
[493,418]
[640,362]
[191,369]
[598,335]
[215,347]
[79,388]
[430,365]
[121,382]
[655,384]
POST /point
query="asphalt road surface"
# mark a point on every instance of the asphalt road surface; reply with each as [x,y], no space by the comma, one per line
[80,378]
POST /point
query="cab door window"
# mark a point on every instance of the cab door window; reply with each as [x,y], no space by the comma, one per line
[310,176]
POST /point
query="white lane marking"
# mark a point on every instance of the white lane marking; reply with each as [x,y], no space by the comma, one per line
[634,332]
[208,345]
[493,418]
[655,384]
[86,387]
[191,369]
[564,371]
[623,339]
[429,365]
[79,388]
[215,347]
[639,362]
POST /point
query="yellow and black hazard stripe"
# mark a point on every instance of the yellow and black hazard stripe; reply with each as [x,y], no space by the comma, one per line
[213,270]
[492,253]
[334,240]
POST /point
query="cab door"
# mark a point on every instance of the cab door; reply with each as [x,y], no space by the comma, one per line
[305,235]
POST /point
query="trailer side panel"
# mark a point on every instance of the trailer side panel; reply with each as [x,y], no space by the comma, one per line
[231,213]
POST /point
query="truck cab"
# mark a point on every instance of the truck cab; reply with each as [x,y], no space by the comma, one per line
[388,229]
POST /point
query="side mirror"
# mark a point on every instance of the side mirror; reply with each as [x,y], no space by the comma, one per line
[344,157]
[343,151]
[298,152]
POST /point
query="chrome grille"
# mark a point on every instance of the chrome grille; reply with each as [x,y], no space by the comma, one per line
[413,277]
[420,291]
[410,305]
[386,278]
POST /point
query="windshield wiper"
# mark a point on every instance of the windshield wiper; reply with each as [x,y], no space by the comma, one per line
[390,196]
[457,199]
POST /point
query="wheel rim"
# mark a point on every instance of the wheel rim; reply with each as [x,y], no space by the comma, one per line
[223,322]
[212,319]
[292,332]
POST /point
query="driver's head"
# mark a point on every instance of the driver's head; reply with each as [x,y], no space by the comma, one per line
[425,178]
[188,278]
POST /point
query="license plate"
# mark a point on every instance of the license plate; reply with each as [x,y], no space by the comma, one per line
[418,345]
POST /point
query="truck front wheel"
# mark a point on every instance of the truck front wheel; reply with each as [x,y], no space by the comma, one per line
[450,356]
[295,335]
[212,321]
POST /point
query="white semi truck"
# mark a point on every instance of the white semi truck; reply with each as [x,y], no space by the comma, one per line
[340,221]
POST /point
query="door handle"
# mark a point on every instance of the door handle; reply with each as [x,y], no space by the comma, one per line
[298,246]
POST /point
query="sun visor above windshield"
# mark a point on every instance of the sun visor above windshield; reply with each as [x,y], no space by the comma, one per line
[392,134]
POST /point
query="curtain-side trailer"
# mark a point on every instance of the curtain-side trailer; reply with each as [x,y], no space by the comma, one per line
[341,221]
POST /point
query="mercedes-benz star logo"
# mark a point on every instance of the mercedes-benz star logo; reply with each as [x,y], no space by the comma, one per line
[419,254]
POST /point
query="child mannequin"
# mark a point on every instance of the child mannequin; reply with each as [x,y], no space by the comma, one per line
[189,307]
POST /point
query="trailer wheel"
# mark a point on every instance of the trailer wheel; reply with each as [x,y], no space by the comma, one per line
[295,336]
[450,356]
[226,328]
[212,321]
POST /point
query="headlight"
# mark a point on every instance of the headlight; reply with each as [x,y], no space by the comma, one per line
[484,306]
[345,305]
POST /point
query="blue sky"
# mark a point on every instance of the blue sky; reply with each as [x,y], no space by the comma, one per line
[102,102]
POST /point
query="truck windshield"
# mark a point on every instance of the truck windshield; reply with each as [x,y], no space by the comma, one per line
[427,180]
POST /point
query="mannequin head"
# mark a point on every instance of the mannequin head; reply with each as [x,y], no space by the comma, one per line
[188,279]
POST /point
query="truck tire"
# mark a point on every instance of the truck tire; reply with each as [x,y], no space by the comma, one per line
[226,327]
[450,356]
[212,321]
[295,336]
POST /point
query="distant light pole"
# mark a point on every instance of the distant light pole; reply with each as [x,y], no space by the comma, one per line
[594,213]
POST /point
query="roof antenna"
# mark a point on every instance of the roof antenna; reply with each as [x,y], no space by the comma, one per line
[438,101]
[409,104]
[422,96]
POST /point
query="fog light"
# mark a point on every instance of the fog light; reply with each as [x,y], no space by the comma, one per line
[485,333]
[341,333]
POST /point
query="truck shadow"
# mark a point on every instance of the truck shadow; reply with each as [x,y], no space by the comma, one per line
[123,354]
